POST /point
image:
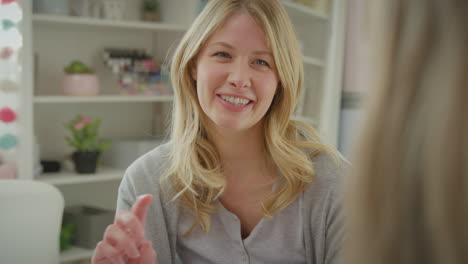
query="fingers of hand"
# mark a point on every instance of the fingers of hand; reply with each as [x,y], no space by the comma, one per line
[103,253]
[129,223]
[122,241]
[117,260]
[148,255]
[126,237]
[140,208]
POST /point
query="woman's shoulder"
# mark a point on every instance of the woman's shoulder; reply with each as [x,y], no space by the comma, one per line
[143,177]
[330,168]
[324,194]
[151,164]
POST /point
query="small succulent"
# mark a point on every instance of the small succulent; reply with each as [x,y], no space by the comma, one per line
[77,66]
[151,5]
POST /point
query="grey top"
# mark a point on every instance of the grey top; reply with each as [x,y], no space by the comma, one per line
[321,214]
[277,240]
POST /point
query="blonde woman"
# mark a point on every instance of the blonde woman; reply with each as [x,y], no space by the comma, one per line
[407,200]
[239,182]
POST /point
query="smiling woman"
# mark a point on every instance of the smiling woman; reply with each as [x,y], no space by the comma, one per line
[239,179]
[235,82]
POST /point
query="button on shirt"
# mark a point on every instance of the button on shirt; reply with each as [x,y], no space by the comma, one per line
[276,240]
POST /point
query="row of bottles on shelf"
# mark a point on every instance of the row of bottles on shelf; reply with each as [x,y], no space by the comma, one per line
[138,72]
[108,9]
[133,72]
[148,10]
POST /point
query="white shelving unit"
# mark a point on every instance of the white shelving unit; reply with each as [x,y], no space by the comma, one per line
[57,99]
[52,41]
[312,61]
[68,178]
[75,254]
[105,23]
[297,9]
[322,40]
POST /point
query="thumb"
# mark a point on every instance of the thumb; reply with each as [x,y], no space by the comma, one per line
[140,208]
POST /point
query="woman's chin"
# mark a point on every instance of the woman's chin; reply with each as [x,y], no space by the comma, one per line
[234,126]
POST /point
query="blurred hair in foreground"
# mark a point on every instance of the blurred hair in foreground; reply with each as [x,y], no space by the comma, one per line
[407,198]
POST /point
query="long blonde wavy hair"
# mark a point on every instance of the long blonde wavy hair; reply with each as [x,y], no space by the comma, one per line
[407,199]
[195,171]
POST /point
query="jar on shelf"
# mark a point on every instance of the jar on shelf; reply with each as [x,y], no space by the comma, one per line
[79,8]
[60,7]
[114,9]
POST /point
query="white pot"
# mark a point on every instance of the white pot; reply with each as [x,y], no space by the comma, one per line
[114,9]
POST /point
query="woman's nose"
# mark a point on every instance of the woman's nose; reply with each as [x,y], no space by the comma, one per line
[240,76]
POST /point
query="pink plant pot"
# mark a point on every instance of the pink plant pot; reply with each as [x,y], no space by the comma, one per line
[8,171]
[80,84]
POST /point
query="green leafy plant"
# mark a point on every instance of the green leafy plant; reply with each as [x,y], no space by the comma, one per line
[66,235]
[84,134]
[77,66]
[151,5]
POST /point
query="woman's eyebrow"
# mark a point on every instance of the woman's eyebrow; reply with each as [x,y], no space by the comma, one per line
[220,43]
[263,52]
[258,52]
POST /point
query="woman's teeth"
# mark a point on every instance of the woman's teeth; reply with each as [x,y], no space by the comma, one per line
[235,100]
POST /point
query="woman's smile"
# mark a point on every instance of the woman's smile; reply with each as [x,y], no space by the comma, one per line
[235,74]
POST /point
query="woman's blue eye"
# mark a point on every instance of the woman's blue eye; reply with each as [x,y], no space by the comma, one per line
[222,54]
[262,62]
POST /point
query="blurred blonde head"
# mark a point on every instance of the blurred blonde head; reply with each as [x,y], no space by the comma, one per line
[407,199]
[195,172]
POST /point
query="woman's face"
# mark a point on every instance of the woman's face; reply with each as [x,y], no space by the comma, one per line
[236,74]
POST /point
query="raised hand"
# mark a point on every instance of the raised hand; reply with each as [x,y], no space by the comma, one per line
[124,241]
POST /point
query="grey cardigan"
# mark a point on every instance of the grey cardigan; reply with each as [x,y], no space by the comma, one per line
[321,206]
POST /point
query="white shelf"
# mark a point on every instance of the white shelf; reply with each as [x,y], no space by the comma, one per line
[305,119]
[312,61]
[87,21]
[303,10]
[103,99]
[67,177]
[75,253]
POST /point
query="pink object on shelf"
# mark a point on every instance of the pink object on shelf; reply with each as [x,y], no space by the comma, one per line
[5,2]
[8,171]
[6,52]
[81,84]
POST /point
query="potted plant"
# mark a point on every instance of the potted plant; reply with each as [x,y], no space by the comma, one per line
[80,80]
[151,10]
[66,236]
[84,139]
